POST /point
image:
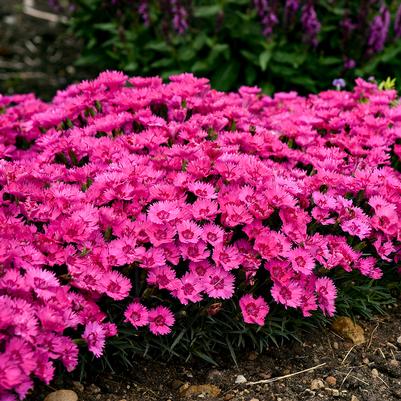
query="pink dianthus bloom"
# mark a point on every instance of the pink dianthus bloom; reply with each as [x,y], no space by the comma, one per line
[160,320]
[301,261]
[188,232]
[326,295]
[288,295]
[137,315]
[163,212]
[219,284]
[254,310]
[95,337]
[190,289]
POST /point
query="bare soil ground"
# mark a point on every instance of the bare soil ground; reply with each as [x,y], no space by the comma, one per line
[339,370]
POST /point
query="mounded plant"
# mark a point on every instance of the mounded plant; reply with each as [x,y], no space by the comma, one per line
[182,219]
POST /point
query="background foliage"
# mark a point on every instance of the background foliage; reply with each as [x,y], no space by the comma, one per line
[229,41]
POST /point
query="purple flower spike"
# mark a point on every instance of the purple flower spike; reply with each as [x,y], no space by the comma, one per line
[310,23]
[378,31]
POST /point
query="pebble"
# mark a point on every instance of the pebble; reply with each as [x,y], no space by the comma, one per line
[94,389]
[334,392]
[78,386]
[62,395]
[228,397]
[366,361]
[317,384]
[394,363]
[399,340]
[240,379]
[331,380]
[207,389]
[176,384]
[254,399]
[335,345]
[375,373]
[354,398]
[214,375]
[349,330]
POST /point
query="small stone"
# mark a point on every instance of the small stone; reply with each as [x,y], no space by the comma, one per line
[331,380]
[228,397]
[316,384]
[240,379]
[354,398]
[78,386]
[336,393]
[335,345]
[94,389]
[375,373]
[62,395]
[394,363]
[349,330]
[366,361]
[399,340]
[176,384]
[254,399]
[207,389]
[214,375]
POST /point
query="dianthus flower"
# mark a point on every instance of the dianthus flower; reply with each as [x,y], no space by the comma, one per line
[254,310]
[136,314]
[160,320]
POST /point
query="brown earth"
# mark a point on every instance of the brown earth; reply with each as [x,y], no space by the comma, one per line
[339,370]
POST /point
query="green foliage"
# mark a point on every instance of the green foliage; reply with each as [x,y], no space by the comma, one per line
[225,43]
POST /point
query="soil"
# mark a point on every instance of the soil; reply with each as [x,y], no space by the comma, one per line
[36,55]
[339,370]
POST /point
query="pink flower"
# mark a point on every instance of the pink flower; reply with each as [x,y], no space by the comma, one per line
[288,295]
[326,294]
[163,212]
[204,209]
[160,320]
[254,310]
[195,252]
[163,277]
[188,232]
[301,261]
[94,336]
[227,257]
[212,234]
[202,190]
[115,285]
[219,283]
[136,314]
[190,289]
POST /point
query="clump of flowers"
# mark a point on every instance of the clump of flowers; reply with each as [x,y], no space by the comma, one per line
[124,187]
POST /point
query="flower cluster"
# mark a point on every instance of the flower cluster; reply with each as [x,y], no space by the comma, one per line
[121,186]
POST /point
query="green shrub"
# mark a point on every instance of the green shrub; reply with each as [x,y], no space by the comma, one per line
[233,44]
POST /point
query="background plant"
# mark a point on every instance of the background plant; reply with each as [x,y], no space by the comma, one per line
[278,45]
